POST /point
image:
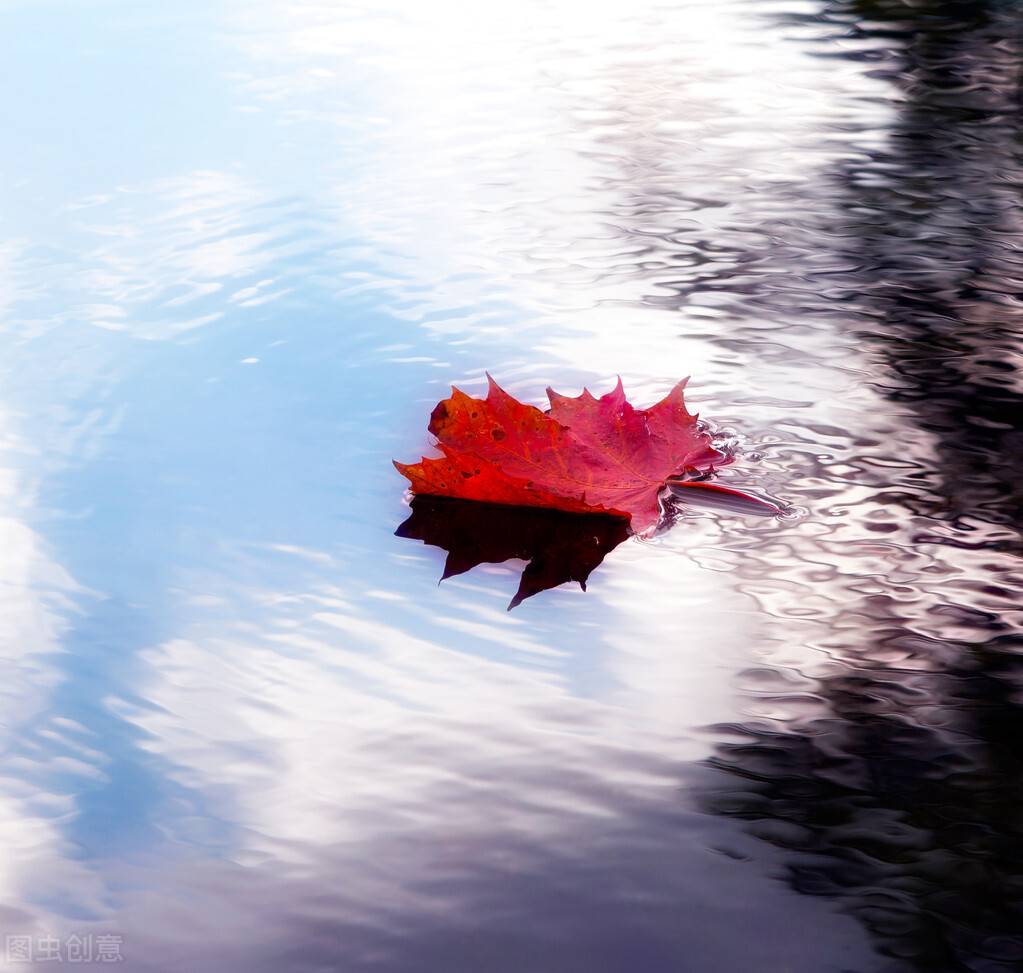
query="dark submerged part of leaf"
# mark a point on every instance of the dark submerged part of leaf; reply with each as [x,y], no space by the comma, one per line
[559,546]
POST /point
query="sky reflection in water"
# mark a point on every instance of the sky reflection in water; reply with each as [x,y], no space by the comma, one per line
[246,248]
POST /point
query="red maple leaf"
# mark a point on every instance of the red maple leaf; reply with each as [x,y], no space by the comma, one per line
[584,455]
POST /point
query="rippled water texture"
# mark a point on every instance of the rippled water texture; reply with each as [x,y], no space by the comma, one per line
[246,247]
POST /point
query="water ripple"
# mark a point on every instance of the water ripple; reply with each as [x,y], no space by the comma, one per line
[237,704]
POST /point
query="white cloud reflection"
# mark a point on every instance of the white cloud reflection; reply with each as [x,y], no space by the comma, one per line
[525,164]
[398,789]
[40,754]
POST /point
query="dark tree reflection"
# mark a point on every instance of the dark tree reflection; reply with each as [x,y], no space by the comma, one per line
[904,797]
[937,226]
[905,803]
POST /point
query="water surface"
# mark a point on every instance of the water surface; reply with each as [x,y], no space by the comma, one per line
[246,247]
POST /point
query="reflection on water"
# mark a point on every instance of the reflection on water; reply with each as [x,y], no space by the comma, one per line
[901,797]
[559,547]
[244,729]
[897,793]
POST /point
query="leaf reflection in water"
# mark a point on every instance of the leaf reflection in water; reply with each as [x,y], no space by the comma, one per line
[559,546]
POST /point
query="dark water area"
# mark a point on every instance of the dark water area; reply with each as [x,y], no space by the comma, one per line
[901,798]
[244,251]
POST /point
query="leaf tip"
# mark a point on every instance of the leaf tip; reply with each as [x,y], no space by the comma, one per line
[616,397]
